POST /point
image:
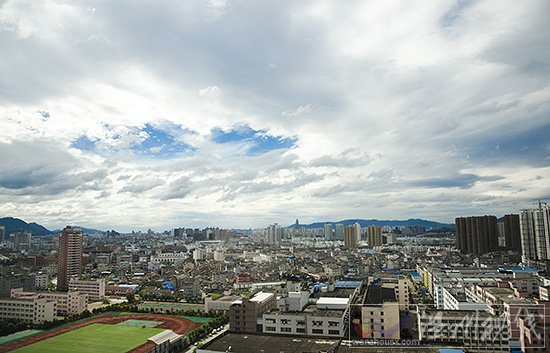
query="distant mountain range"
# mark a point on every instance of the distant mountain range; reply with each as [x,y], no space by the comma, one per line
[376,222]
[12,225]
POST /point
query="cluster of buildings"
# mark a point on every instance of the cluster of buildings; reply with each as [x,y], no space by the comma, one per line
[25,296]
[527,232]
[484,288]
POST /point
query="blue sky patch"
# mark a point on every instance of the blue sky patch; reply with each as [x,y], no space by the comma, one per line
[159,143]
[260,141]
[84,143]
[152,142]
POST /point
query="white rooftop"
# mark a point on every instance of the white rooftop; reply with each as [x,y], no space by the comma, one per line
[332,301]
[260,297]
[166,335]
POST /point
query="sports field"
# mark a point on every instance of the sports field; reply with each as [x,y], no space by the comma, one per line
[141,323]
[102,338]
[166,306]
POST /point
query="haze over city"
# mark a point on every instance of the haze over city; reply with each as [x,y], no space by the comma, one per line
[132,115]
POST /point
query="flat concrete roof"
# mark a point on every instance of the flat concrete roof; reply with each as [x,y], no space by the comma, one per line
[228,298]
[253,343]
[376,294]
[389,349]
[260,297]
[332,301]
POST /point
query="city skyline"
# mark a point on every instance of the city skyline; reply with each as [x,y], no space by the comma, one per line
[132,116]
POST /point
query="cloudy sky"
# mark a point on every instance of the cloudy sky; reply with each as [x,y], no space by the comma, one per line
[138,114]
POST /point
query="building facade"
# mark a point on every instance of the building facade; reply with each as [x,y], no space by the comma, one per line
[94,289]
[535,233]
[350,237]
[374,236]
[21,241]
[477,235]
[70,257]
[19,280]
[478,331]
[67,303]
[244,313]
[512,232]
[31,309]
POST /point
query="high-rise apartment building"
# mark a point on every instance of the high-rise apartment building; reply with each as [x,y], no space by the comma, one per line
[512,233]
[274,234]
[477,235]
[374,236]
[350,237]
[328,231]
[2,233]
[70,256]
[339,231]
[535,233]
[21,241]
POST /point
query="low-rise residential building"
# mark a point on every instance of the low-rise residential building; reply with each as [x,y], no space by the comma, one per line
[95,289]
[168,258]
[30,309]
[19,280]
[244,313]
[220,304]
[294,301]
[311,322]
[41,281]
[478,331]
[380,313]
[67,303]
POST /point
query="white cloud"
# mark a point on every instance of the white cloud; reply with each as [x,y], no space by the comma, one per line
[303,109]
[392,103]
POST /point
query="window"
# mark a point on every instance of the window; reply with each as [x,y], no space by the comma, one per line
[286,329]
[301,330]
[317,331]
[270,328]
[333,332]
[300,322]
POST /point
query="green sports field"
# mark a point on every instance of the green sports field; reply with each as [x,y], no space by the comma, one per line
[168,306]
[102,338]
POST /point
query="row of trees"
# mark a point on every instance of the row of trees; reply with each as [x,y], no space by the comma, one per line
[9,326]
[205,329]
[174,298]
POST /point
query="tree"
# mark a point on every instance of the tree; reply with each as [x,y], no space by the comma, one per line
[130,297]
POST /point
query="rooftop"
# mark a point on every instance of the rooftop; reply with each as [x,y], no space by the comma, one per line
[252,343]
[260,297]
[228,298]
[377,294]
[332,301]
[314,310]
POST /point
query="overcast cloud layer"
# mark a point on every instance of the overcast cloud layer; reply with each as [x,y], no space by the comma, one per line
[138,114]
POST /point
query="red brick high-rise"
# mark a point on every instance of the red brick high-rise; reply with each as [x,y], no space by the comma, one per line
[70,256]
